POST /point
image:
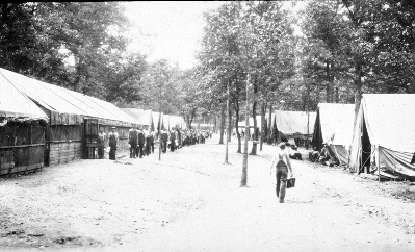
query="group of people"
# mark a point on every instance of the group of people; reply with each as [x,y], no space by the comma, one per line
[177,138]
[323,156]
[141,140]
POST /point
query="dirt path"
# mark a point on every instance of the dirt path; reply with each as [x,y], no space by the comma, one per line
[190,201]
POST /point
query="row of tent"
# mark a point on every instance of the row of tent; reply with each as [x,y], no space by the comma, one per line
[42,124]
[292,125]
[381,142]
[151,118]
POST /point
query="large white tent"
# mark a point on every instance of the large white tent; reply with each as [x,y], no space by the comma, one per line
[295,122]
[334,126]
[384,134]
[142,116]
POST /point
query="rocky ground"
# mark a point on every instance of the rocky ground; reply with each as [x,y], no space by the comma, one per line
[191,201]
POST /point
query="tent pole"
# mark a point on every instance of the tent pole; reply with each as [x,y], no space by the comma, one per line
[379,162]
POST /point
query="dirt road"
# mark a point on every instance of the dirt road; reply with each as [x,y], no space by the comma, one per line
[190,201]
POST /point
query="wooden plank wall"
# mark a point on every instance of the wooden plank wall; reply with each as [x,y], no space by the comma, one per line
[21,159]
[64,152]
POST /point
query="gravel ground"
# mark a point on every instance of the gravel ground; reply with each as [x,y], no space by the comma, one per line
[190,201]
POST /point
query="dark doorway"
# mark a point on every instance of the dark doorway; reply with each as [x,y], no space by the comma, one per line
[366,150]
[90,138]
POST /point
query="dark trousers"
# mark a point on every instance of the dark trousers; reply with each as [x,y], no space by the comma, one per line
[112,152]
[140,150]
[173,146]
[133,151]
[148,147]
[282,174]
[100,151]
[164,146]
[296,156]
[152,147]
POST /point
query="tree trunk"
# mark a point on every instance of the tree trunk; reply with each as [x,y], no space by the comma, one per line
[263,108]
[236,127]
[328,82]
[244,176]
[269,125]
[358,85]
[255,133]
[223,122]
[229,123]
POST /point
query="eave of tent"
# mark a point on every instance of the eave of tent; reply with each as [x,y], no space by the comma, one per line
[295,122]
[336,122]
[14,104]
[113,112]
[41,93]
[58,99]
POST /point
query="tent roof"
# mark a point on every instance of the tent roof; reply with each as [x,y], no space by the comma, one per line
[142,116]
[390,120]
[62,100]
[336,121]
[15,104]
[292,122]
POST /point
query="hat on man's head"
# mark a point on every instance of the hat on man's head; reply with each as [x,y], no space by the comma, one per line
[113,127]
[282,145]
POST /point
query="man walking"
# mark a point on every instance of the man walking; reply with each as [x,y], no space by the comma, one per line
[283,162]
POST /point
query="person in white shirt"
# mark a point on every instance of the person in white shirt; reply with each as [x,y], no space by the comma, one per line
[282,164]
[294,153]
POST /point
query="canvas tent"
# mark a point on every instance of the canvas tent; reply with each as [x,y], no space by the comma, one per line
[175,121]
[293,125]
[166,122]
[384,135]
[334,126]
[142,116]
[156,117]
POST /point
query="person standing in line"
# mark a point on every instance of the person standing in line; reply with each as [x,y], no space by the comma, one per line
[282,167]
[173,140]
[133,143]
[101,143]
[152,141]
[179,137]
[112,141]
[148,144]
[141,141]
[164,140]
